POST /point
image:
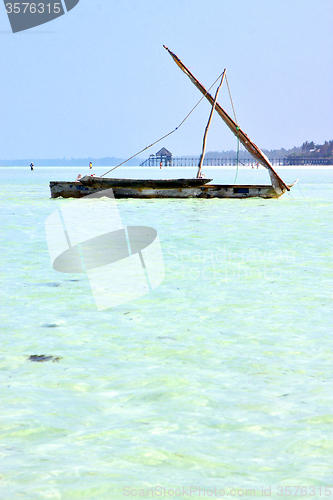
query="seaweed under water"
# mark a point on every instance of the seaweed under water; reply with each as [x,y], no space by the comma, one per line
[41,358]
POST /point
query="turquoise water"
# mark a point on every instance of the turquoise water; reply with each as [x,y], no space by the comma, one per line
[219,378]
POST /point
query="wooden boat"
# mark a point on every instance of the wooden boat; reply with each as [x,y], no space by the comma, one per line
[182,188]
[92,184]
[77,190]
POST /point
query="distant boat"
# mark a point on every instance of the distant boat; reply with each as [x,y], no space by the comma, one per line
[181,188]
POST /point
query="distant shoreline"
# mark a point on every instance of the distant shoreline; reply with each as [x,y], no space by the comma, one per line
[75,162]
[187,162]
[228,167]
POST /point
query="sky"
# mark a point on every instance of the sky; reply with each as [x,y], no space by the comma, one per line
[97,82]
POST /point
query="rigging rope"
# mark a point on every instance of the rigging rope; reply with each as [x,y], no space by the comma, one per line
[166,135]
[299,187]
[232,104]
[237,154]
[233,109]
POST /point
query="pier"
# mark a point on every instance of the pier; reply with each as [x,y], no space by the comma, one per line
[187,161]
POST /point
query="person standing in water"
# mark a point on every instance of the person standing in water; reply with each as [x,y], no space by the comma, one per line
[90,165]
[31,166]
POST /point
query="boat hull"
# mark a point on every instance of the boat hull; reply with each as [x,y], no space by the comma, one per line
[78,190]
[111,183]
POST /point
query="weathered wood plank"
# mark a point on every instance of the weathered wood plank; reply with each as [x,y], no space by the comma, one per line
[77,190]
[107,183]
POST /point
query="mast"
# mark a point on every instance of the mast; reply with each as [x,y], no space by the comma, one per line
[277,182]
[208,125]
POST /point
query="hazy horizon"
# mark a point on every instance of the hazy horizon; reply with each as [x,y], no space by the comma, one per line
[97,82]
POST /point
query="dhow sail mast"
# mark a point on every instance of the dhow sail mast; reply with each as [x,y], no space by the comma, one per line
[277,182]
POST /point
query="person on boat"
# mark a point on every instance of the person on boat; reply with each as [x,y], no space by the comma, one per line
[78,178]
[90,165]
[31,166]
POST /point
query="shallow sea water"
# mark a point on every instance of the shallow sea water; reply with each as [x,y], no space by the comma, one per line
[219,378]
